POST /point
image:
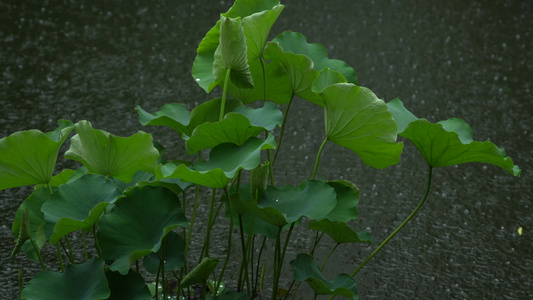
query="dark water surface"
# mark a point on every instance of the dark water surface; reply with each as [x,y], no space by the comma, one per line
[96,60]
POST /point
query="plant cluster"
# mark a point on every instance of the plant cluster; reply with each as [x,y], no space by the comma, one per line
[133,202]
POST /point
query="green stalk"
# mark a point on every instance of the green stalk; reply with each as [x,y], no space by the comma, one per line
[96,243]
[282,131]
[259,263]
[193,217]
[318,157]
[71,256]
[20,283]
[277,254]
[327,257]
[223,102]
[244,256]
[38,253]
[217,283]
[264,78]
[59,255]
[428,186]
[85,254]
[205,248]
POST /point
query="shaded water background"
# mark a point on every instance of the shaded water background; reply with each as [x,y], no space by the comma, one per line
[96,60]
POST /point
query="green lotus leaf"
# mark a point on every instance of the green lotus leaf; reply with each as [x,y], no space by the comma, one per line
[340,232]
[296,43]
[200,273]
[137,224]
[325,78]
[236,127]
[58,179]
[256,29]
[228,295]
[130,286]
[267,117]
[278,87]
[305,269]
[231,54]
[33,205]
[358,120]
[77,205]
[84,281]
[402,116]
[280,206]
[24,232]
[173,254]
[225,160]
[202,69]
[299,70]
[173,115]
[177,117]
[29,157]
[110,155]
[441,147]
[251,223]
[347,200]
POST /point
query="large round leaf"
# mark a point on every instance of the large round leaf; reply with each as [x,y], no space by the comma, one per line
[305,269]
[358,120]
[29,157]
[177,117]
[77,205]
[225,160]
[110,155]
[173,254]
[450,143]
[127,287]
[284,205]
[137,224]
[236,127]
[85,281]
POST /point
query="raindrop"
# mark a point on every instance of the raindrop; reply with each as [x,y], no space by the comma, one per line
[197,79]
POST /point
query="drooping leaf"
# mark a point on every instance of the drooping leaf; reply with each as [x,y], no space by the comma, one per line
[297,43]
[173,115]
[202,70]
[402,116]
[278,88]
[340,232]
[284,205]
[224,162]
[77,205]
[200,273]
[110,155]
[84,281]
[173,254]
[306,270]
[177,117]
[267,117]
[33,204]
[299,70]
[441,148]
[127,287]
[231,54]
[29,157]
[137,224]
[358,120]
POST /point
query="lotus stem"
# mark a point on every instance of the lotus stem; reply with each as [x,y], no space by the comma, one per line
[428,186]
[223,101]
[318,157]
